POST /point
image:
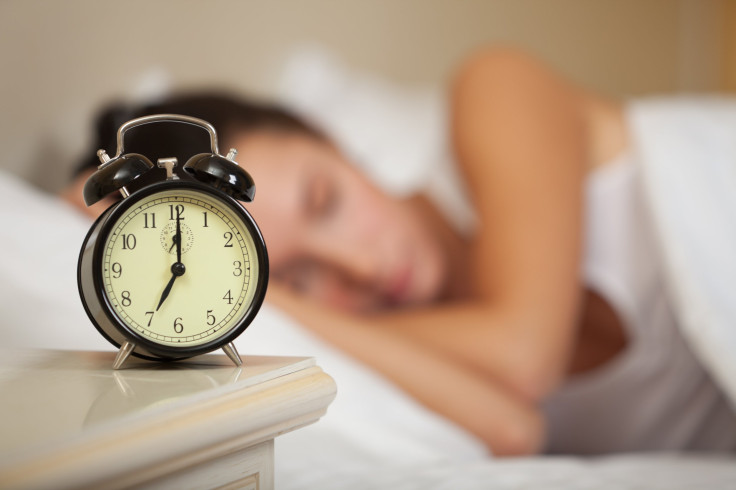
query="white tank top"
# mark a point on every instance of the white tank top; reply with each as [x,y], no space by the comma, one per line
[654,395]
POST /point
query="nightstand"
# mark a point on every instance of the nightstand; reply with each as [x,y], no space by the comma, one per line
[67,420]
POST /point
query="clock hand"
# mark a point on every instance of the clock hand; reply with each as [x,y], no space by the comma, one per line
[167,290]
[177,269]
[174,239]
[178,238]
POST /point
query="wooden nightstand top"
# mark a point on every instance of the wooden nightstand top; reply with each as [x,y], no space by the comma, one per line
[67,417]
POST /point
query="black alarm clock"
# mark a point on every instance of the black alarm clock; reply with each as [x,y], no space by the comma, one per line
[178,268]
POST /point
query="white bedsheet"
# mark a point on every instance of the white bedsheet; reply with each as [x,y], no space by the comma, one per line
[624,472]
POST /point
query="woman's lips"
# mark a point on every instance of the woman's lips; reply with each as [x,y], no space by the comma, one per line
[398,287]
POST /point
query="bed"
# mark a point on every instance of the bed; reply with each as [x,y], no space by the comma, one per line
[374,435]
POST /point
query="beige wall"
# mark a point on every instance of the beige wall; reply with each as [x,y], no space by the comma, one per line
[729,53]
[61,59]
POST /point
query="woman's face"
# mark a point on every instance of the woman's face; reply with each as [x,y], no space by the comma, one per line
[333,235]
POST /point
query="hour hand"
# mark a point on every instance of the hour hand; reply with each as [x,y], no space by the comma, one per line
[167,290]
[174,240]
[177,269]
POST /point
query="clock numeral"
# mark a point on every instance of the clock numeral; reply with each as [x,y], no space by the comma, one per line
[129,241]
[145,220]
[229,238]
[126,301]
[117,270]
[238,268]
[179,211]
[151,317]
[228,297]
[205,219]
[178,327]
[210,318]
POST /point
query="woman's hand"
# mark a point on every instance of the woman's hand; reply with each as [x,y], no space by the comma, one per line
[505,422]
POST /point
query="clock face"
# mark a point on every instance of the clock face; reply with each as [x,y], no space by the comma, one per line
[180,267]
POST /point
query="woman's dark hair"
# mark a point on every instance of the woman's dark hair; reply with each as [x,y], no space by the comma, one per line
[228,114]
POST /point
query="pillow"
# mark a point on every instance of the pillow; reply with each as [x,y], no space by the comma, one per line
[41,237]
[396,135]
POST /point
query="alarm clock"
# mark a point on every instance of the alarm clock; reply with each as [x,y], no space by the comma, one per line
[179,267]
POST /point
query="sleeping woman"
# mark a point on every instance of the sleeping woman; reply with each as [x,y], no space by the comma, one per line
[547,329]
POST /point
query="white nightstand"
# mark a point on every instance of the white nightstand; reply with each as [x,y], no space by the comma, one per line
[67,420]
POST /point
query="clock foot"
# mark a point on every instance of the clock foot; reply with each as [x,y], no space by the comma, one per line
[232,353]
[123,353]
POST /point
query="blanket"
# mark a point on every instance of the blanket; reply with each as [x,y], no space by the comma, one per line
[687,149]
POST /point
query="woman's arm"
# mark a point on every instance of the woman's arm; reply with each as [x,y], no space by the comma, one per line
[508,425]
[521,140]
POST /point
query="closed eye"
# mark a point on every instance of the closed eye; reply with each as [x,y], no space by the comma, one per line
[321,197]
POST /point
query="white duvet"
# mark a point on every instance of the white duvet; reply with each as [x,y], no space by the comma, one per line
[687,147]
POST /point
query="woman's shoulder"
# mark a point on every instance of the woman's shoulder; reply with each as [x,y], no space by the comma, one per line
[520,81]
[506,67]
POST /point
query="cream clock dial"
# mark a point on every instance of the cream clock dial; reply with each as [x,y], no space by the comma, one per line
[174,270]
[187,300]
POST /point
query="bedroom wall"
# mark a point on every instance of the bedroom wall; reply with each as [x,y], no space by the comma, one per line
[61,60]
[729,53]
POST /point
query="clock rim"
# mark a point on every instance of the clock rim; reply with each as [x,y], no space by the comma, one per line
[169,352]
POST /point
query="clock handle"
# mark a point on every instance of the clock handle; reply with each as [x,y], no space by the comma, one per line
[115,173]
[166,118]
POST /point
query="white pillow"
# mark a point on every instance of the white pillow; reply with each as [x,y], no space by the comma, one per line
[398,136]
[41,237]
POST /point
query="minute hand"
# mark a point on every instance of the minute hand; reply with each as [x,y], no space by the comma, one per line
[178,238]
[177,269]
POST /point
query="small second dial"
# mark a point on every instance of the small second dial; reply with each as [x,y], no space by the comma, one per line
[168,235]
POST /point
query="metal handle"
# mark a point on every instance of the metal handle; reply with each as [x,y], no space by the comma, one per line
[166,118]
